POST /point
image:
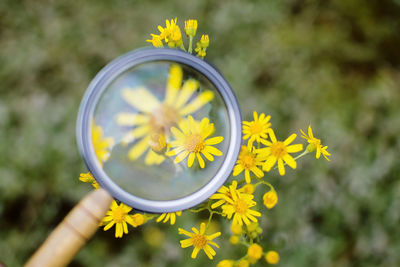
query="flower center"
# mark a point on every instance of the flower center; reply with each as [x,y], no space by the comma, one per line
[118,214]
[248,161]
[163,118]
[241,206]
[194,143]
[256,128]
[199,241]
[278,149]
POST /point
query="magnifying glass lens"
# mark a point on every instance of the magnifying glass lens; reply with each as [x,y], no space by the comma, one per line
[160,130]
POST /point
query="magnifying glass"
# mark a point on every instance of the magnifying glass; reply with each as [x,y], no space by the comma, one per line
[160,130]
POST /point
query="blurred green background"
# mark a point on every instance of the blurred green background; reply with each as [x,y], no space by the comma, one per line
[332,63]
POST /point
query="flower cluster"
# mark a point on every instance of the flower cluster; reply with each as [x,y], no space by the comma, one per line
[167,128]
[171,35]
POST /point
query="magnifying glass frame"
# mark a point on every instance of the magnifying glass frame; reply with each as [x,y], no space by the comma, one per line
[100,83]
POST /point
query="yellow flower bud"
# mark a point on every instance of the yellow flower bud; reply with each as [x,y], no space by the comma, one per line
[191,27]
[248,189]
[270,199]
[236,229]
[225,263]
[156,40]
[272,257]
[243,263]
[254,252]
[311,147]
[204,41]
[138,219]
[234,240]
[157,143]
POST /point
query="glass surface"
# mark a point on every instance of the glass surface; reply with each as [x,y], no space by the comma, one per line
[160,130]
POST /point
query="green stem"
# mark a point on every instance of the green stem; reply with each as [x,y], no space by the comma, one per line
[183,47]
[190,50]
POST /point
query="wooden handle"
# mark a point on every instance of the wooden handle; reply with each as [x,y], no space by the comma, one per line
[73,232]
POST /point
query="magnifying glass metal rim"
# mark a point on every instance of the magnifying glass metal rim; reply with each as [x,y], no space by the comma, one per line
[101,82]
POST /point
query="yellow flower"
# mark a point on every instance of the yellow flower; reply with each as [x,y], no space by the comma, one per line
[201,52]
[191,27]
[169,216]
[243,263]
[153,236]
[155,118]
[256,130]
[270,199]
[192,141]
[88,178]
[199,241]
[138,219]
[236,229]
[155,40]
[254,252]
[118,215]
[204,41]
[171,34]
[224,195]
[315,144]
[248,161]
[279,151]
[234,240]
[272,257]
[240,208]
[253,230]
[101,145]
[225,263]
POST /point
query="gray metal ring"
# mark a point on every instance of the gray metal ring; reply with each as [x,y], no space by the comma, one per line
[100,83]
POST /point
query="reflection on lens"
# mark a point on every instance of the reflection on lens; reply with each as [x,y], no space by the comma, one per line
[160,130]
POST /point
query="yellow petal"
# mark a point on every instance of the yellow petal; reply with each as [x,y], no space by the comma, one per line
[269,163]
[192,155]
[201,160]
[212,150]
[290,139]
[272,135]
[174,83]
[138,149]
[181,156]
[294,148]
[281,167]
[141,99]
[188,88]
[290,161]
[197,103]
[131,119]
[214,140]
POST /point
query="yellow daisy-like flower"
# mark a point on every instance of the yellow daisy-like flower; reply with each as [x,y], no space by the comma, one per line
[169,216]
[192,142]
[155,40]
[272,257]
[270,199]
[101,144]
[239,207]
[223,195]
[118,215]
[279,151]
[88,178]
[315,144]
[248,161]
[199,241]
[171,33]
[154,119]
[256,130]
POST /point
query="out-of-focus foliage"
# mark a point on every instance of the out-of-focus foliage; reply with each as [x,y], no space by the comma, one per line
[334,64]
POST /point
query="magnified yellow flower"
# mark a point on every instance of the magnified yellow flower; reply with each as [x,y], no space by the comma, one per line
[88,178]
[256,130]
[169,216]
[199,241]
[272,257]
[279,151]
[240,208]
[270,199]
[248,161]
[254,252]
[315,144]
[192,141]
[101,144]
[118,215]
[155,40]
[155,118]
